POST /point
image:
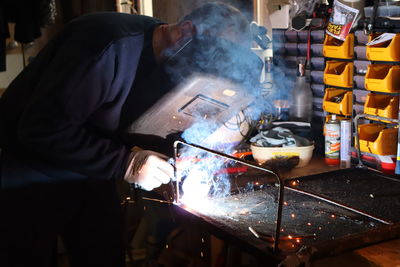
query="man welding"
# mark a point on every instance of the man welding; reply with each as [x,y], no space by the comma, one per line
[61,124]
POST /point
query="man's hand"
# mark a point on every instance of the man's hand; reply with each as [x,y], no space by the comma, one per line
[149,170]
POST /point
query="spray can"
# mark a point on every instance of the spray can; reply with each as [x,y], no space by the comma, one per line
[345,143]
[332,141]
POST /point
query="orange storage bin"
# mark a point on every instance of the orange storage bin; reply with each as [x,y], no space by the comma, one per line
[382,105]
[383,78]
[336,48]
[339,73]
[386,51]
[375,139]
[338,101]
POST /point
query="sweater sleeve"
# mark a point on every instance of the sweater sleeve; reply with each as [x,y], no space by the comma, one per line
[78,92]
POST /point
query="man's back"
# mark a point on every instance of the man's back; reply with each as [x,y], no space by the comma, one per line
[76,85]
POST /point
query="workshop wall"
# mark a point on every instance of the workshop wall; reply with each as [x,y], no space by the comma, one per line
[172,11]
[18,54]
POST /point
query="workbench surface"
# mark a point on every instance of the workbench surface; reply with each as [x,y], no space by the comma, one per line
[385,254]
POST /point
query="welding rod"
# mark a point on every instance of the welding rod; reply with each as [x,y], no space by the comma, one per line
[338,204]
[157,200]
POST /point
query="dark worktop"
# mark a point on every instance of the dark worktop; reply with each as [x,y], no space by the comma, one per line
[384,254]
[317,165]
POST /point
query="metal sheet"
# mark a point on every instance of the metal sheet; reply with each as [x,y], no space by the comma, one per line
[330,212]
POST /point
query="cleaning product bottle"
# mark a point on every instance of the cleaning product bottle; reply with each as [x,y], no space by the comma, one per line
[332,141]
[301,98]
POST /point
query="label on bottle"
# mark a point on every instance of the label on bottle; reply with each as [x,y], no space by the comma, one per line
[332,141]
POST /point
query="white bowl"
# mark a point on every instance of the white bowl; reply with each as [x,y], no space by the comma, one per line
[262,154]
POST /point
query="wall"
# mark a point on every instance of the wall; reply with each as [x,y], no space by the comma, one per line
[172,11]
[20,56]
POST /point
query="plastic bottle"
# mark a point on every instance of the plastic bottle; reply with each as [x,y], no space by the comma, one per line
[332,141]
[301,98]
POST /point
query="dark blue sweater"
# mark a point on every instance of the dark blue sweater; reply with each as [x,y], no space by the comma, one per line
[60,118]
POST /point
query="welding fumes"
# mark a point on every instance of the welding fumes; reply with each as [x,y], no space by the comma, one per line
[205,84]
[206,87]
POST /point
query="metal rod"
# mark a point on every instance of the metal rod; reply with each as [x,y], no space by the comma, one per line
[338,204]
[387,177]
[278,179]
[360,164]
[157,200]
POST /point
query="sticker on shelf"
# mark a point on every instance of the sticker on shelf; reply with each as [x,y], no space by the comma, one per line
[382,38]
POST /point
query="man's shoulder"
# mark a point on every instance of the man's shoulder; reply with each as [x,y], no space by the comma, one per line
[98,30]
[113,24]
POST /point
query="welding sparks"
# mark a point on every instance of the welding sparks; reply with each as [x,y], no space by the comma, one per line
[244,212]
[196,188]
[202,180]
[253,232]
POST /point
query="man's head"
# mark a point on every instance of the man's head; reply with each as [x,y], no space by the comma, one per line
[214,19]
[220,20]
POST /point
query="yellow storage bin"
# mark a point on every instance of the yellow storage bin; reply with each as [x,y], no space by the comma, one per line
[386,51]
[382,105]
[383,78]
[375,139]
[338,101]
[339,73]
[336,48]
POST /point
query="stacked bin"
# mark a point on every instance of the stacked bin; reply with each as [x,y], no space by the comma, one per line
[382,80]
[347,78]
[338,77]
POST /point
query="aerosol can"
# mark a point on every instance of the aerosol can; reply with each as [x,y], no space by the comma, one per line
[332,141]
